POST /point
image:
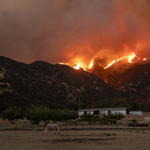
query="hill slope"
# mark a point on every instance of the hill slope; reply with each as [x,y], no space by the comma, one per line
[41,83]
[132,80]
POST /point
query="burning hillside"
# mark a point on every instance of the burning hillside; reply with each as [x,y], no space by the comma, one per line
[128,74]
[132,58]
[108,38]
[130,78]
[48,84]
[41,83]
[79,65]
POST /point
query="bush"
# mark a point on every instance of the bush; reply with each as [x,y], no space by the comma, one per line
[108,119]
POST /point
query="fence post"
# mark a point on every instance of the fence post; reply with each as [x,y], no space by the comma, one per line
[100,124]
[82,125]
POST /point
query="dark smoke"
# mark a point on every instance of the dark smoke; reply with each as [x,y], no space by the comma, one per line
[67,30]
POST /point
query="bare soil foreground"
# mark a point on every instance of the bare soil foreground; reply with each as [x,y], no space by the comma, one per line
[76,140]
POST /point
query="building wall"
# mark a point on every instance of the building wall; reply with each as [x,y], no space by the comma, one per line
[104,112]
[135,113]
[80,113]
[119,111]
[88,112]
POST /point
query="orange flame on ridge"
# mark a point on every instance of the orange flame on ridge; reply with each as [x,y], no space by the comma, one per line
[91,64]
[130,58]
[78,65]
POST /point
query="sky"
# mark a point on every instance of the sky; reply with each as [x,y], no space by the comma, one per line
[73,30]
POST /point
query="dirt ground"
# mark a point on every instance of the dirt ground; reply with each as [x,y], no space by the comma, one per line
[76,140]
[114,139]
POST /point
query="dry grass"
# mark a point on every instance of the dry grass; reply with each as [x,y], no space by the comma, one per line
[127,139]
[76,140]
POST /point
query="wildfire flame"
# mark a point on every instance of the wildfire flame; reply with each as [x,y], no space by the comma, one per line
[78,65]
[91,64]
[63,64]
[130,58]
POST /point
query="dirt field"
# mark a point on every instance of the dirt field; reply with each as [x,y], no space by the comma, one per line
[114,139]
[76,140]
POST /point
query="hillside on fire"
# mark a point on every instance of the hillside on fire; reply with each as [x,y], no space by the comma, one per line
[132,80]
[56,86]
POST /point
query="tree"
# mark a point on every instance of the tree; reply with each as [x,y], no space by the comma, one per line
[12,114]
[69,115]
[33,113]
[45,114]
[112,118]
[38,114]
[90,117]
[82,99]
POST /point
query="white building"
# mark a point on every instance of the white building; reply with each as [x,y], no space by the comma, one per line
[135,113]
[101,111]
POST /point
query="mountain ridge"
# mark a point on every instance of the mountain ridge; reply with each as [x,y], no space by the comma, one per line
[41,83]
[132,80]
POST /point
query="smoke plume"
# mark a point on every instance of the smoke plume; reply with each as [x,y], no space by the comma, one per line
[73,30]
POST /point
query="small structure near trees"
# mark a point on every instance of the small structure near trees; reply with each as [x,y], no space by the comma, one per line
[102,111]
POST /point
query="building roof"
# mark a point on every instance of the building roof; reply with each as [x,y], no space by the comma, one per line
[103,109]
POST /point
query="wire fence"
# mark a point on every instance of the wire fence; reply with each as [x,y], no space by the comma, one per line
[104,126]
[121,124]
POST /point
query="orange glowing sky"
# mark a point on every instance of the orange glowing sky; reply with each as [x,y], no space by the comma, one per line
[74,31]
